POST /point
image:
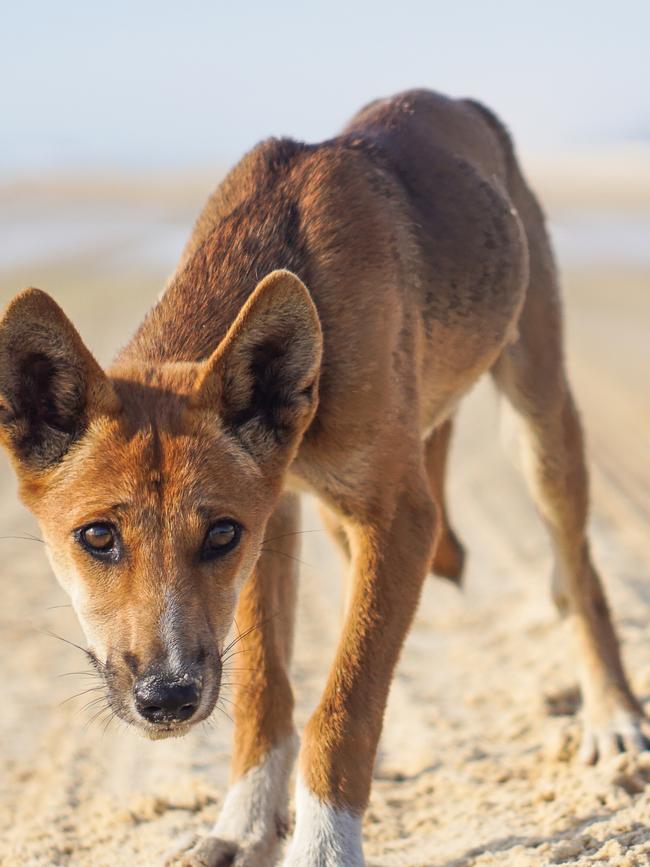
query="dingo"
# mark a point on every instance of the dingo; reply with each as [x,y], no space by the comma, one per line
[156,484]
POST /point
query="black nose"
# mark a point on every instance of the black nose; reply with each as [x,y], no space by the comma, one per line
[162,701]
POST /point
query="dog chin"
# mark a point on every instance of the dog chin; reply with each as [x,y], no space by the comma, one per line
[161,734]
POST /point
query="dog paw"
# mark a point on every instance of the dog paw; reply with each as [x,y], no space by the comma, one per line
[625,732]
[212,851]
[206,852]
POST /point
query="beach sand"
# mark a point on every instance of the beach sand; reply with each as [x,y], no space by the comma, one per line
[476,764]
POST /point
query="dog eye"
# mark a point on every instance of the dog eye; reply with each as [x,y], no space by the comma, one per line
[99,539]
[222,537]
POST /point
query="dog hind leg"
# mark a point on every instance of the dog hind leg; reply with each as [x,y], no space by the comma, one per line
[531,375]
[449,554]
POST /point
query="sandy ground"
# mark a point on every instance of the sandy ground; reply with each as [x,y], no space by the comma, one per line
[476,765]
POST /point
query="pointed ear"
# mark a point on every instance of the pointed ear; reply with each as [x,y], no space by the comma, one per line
[49,382]
[263,376]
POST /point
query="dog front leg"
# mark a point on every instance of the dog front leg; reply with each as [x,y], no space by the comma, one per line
[390,561]
[253,820]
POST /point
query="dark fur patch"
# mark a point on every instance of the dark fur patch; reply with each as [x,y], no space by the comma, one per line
[272,395]
[47,408]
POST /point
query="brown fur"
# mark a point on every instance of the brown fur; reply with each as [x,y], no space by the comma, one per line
[269,597]
[427,261]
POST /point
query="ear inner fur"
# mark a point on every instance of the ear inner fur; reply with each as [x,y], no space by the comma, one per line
[49,381]
[263,376]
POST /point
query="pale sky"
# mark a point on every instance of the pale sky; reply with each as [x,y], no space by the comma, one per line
[153,84]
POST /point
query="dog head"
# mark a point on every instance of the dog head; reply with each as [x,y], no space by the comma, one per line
[153,484]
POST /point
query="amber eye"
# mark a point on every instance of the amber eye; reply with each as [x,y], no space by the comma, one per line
[222,537]
[99,540]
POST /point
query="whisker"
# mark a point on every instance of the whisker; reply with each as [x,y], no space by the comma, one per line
[235,653]
[228,652]
[95,716]
[107,725]
[79,674]
[242,686]
[66,641]
[294,533]
[284,554]
[91,705]
[235,683]
[93,702]
[208,722]
[79,694]
[233,703]
[239,635]
[249,684]
[242,635]
[26,538]
[227,715]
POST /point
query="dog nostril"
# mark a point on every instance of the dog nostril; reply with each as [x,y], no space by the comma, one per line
[151,712]
[186,711]
[160,702]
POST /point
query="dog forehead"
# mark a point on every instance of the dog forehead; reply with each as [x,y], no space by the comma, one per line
[155,460]
[148,471]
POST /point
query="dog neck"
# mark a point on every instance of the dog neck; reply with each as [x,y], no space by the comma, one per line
[219,272]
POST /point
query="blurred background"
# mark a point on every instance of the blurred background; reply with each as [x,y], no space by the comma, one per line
[116,121]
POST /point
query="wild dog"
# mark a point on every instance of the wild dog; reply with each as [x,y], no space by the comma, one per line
[156,484]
